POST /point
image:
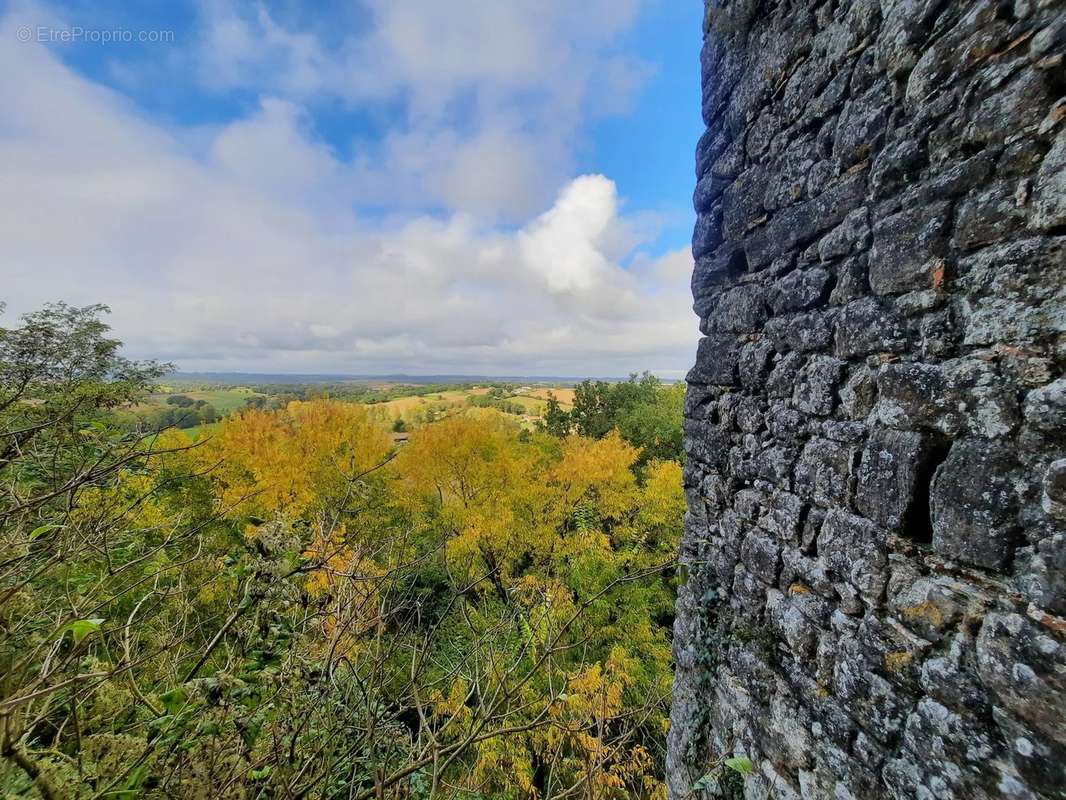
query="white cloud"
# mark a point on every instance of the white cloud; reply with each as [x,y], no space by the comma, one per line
[565,245]
[245,252]
[489,99]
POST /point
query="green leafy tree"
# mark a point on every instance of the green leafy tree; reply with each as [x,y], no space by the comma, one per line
[646,413]
[295,608]
[556,421]
[654,424]
[208,414]
[61,377]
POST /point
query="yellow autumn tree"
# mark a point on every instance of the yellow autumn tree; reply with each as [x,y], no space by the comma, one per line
[470,478]
[290,462]
[572,545]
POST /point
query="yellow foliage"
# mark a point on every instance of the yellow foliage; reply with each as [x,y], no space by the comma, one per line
[286,463]
[132,497]
[597,470]
[661,513]
[476,474]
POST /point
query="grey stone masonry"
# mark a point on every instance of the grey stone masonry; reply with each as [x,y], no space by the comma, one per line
[875,425]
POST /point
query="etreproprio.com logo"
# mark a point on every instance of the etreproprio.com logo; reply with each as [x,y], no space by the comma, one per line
[76,34]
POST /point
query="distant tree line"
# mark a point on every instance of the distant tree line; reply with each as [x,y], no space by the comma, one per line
[180,411]
[499,403]
[357,392]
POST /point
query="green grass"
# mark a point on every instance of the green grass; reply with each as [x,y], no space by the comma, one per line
[225,400]
[202,431]
[534,406]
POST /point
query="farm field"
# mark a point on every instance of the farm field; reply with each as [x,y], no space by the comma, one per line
[404,405]
[529,405]
[392,403]
[564,394]
[226,400]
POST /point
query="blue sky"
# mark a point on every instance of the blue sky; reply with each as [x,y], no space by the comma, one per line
[362,186]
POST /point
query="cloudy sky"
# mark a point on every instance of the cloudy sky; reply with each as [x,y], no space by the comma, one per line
[374,186]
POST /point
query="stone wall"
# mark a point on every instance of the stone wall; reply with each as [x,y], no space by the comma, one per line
[876,538]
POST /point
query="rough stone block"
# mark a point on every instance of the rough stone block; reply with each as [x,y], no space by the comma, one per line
[824,473]
[859,394]
[989,216]
[851,282]
[802,222]
[904,30]
[716,361]
[706,443]
[932,606]
[888,478]
[801,332]
[782,516]
[1054,499]
[973,503]
[749,593]
[861,128]
[1020,662]
[1014,293]
[1045,408]
[957,178]
[786,424]
[857,551]
[754,364]
[867,326]
[800,290]
[1023,100]
[816,387]
[1042,573]
[708,192]
[908,250]
[709,147]
[950,677]
[742,204]
[918,396]
[945,755]
[788,179]
[761,555]
[710,274]
[848,237]
[707,234]
[895,166]
[740,310]
[1049,194]
[783,376]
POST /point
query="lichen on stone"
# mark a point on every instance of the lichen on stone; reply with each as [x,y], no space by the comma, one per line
[876,419]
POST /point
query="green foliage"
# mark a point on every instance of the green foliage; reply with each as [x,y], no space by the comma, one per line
[647,413]
[496,399]
[726,779]
[294,609]
[80,628]
[740,764]
[556,421]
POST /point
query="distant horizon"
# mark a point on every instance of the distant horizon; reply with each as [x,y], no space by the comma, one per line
[317,377]
[377,187]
